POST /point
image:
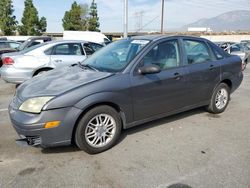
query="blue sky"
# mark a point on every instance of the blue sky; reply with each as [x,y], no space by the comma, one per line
[145,13]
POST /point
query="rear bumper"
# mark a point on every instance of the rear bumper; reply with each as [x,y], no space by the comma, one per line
[16,76]
[31,126]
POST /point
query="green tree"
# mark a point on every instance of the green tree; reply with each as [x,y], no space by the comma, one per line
[8,23]
[31,25]
[42,24]
[93,23]
[75,19]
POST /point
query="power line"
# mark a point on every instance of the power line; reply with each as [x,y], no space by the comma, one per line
[139,18]
[148,23]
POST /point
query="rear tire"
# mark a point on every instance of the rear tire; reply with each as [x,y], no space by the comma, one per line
[98,130]
[220,99]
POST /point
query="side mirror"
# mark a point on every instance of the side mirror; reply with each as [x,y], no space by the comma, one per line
[149,69]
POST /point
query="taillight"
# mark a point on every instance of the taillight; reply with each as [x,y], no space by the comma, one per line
[8,61]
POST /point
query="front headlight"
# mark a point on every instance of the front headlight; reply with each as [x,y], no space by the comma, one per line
[34,105]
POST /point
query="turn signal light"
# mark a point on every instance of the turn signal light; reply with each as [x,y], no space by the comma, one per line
[51,124]
[8,61]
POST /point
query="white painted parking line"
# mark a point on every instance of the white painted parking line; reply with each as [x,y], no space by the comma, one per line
[3,110]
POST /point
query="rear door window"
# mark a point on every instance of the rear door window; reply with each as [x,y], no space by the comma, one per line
[197,51]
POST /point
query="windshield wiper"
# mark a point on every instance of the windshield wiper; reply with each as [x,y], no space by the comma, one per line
[84,66]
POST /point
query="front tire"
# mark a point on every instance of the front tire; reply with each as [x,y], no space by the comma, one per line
[98,130]
[220,99]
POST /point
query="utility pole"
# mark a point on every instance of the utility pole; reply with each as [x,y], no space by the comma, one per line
[162,16]
[125,35]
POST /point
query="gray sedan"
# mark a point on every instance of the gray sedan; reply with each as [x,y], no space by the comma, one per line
[127,83]
[21,66]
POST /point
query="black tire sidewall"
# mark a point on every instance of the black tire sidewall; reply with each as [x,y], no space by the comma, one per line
[80,130]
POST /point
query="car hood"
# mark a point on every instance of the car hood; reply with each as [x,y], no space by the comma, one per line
[59,81]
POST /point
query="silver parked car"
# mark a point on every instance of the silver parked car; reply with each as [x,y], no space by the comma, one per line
[21,66]
[241,50]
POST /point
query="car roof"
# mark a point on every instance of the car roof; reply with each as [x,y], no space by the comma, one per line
[159,36]
[39,37]
[68,41]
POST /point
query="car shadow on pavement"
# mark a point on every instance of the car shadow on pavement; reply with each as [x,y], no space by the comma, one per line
[160,122]
[125,133]
[61,149]
[179,185]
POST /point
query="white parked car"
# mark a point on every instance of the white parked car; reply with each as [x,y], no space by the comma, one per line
[91,36]
[21,66]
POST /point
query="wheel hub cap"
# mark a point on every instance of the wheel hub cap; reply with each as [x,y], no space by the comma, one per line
[100,130]
[221,98]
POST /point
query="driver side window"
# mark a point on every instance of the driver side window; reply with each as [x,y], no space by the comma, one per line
[165,55]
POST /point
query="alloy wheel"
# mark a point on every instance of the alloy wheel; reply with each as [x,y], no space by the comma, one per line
[100,130]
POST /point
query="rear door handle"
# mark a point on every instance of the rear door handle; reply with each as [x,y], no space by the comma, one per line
[177,76]
[58,60]
[211,67]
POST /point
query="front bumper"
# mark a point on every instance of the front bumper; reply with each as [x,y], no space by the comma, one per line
[31,126]
[15,75]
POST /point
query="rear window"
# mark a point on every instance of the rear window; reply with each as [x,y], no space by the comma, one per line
[197,51]
[218,52]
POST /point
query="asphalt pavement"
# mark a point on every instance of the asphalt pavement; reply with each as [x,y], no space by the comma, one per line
[192,149]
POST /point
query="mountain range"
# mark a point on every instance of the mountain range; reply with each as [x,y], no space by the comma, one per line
[238,20]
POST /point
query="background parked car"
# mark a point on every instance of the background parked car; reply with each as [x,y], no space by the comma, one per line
[224,44]
[241,50]
[21,66]
[246,43]
[13,46]
[32,41]
[90,36]
[7,46]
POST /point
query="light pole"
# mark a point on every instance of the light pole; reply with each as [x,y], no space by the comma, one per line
[162,16]
[125,19]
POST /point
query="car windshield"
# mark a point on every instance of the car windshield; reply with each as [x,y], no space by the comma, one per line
[23,45]
[237,48]
[116,56]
